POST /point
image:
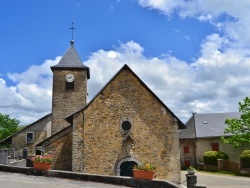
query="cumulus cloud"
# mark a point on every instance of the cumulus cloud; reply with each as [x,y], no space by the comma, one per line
[214,82]
[229,16]
[30,96]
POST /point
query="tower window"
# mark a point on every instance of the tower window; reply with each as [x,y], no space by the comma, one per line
[69,86]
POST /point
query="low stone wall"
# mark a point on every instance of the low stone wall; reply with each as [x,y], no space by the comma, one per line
[115,180]
[202,166]
[224,165]
[245,171]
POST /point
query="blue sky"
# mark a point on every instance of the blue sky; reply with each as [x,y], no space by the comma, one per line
[193,54]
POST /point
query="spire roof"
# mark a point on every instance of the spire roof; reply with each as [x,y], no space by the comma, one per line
[71,60]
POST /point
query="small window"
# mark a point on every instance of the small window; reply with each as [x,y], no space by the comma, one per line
[69,86]
[186,149]
[30,137]
[126,125]
[215,146]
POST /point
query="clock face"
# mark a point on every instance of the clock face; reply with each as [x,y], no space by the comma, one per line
[69,77]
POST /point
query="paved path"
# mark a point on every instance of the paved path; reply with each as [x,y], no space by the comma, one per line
[219,181]
[15,180]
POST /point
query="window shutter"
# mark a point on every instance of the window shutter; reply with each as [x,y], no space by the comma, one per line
[215,146]
[186,149]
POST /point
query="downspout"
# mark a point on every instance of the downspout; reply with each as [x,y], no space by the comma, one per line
[195,141]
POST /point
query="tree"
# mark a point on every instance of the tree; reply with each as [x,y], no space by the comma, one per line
[8,126]
[240,128]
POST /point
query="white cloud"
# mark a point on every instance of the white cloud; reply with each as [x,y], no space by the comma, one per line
[215,82]
[30,97]
[230,16]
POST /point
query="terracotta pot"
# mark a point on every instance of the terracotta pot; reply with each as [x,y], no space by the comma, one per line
[142,174]
[41,166]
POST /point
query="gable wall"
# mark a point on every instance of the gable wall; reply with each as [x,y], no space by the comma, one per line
[40,128]
[154,132]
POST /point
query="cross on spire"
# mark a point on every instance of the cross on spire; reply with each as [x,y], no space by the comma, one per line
[72,28]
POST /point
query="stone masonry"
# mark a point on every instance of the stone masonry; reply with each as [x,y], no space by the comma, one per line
[99,143]
[61,149]
[65,102]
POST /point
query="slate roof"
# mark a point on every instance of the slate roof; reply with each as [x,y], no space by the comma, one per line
[71,60]
[207,125]
[180,124]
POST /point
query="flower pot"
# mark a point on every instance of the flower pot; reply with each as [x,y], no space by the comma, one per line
[142,174]
[191,171]
[41,166]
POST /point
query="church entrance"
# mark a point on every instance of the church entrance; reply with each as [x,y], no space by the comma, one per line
[126,168]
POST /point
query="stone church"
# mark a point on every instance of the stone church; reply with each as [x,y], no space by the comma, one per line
[121,126]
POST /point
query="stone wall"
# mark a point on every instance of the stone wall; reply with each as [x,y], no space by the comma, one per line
[39,128]
[65,102]
[61,148]
[112,180]
[153,135]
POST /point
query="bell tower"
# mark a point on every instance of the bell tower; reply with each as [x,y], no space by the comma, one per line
[69,94]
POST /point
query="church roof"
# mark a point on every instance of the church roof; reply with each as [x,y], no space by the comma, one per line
[207,125]
[71,60]
[126,67]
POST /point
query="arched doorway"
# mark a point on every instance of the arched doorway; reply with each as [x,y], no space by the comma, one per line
[125,165]
[126,168]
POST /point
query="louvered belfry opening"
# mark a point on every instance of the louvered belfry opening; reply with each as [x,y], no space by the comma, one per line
[69,86]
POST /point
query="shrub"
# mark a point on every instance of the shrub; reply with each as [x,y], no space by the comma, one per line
[245,159]
[210,157]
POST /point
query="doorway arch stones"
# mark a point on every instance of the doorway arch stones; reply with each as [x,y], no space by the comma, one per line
[118,166]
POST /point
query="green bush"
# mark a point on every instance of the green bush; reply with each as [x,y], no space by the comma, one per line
[210,157]
[245,159]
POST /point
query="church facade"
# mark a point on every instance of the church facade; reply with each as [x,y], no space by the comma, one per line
[124,124]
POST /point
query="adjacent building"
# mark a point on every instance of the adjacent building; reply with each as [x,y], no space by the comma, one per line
[203,133]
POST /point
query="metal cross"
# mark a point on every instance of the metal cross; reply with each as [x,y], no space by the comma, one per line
[72,28]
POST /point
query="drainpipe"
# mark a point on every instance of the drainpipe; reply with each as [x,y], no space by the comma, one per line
[195,141]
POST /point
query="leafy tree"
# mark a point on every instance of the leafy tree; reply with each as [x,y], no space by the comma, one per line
[8,126]
[240,128]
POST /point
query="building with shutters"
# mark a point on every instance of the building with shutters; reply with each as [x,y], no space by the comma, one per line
[203,133]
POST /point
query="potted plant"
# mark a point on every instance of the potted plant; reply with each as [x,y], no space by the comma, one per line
[191,170]
[42,162]
[144,170]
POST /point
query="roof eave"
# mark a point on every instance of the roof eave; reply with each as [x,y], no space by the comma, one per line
[71,68]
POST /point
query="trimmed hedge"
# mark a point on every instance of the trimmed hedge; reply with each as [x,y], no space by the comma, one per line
[210,157]
[245,159]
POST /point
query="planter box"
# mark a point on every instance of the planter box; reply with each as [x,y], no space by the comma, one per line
[41,166]
[142,174]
